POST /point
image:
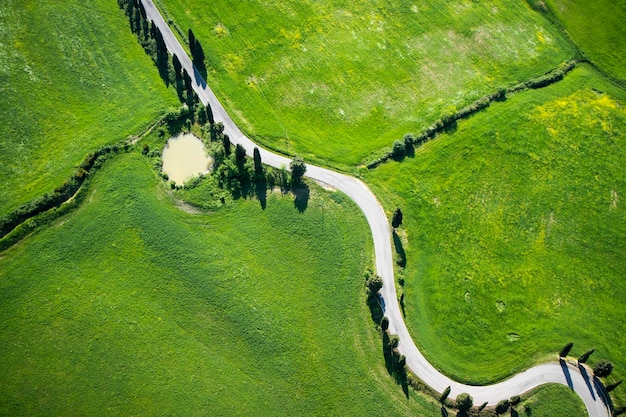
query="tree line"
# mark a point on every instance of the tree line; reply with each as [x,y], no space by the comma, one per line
[449,118]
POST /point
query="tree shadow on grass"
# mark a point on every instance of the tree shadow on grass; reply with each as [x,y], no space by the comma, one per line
[397,243]
[261,193]
[301,194]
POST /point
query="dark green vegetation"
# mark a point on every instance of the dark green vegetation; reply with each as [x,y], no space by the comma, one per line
[514,231]
[597,27]
[133,306]
[341,80]
[72,79]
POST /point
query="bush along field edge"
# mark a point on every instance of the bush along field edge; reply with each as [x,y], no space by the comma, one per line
[447,122]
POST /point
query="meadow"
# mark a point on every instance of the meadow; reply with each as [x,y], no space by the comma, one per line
[597,27]
[72,78]
[514,232]
[338,81]
[130,305]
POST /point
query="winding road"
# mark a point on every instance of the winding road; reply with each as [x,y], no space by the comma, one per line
[577,378]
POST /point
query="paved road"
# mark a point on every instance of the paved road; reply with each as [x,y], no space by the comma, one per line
[561,373]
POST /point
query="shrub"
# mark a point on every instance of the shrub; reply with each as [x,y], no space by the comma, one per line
[298,168]
[374,284]
[603,369]
[398,148]
[464,402]
[502,406]
[384,324]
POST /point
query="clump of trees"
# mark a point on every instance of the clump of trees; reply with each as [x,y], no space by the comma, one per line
[150,37]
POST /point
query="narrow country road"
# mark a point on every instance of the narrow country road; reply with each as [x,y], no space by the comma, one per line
[562,373]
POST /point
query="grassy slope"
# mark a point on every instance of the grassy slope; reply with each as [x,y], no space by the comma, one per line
[598,28]
[552,401]
[72,78]
[516,231]
[131,306]
[340,80]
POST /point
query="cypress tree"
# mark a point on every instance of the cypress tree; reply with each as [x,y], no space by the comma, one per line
[258,166]
[444,395]
[583,358]
[396,221]
[192,42]
[563,353]
[613,386]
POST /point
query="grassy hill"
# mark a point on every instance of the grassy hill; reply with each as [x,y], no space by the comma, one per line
[339,80]
[514,231]
[72,78]
[132,306]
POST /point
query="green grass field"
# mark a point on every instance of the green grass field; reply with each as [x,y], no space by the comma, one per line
[598,28]
[337,81]
[553,401]
[132,306]
[72,78]
[514,231]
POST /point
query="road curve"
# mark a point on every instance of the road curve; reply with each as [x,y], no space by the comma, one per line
[578,379]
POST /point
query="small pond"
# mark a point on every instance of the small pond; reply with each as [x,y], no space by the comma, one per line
[184,157]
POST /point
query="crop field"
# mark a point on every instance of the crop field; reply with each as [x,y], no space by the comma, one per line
[337,81]
[514,231]
[598,28]
[72,78]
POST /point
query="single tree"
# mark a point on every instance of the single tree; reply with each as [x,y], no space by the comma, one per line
[198,54]
[384,324]
[583,358]
[444,395]
[563,353]
[374,284]
[192,41]
[177,65]
[515,400]
[298,168]
[613,386]
[464,402]
[240,155]
[258,166]
[603,369]
[502,407]
[396,221]
[398,148]
[619,411]
[226,143]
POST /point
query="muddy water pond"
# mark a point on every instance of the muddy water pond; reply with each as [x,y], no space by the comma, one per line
[184,157]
